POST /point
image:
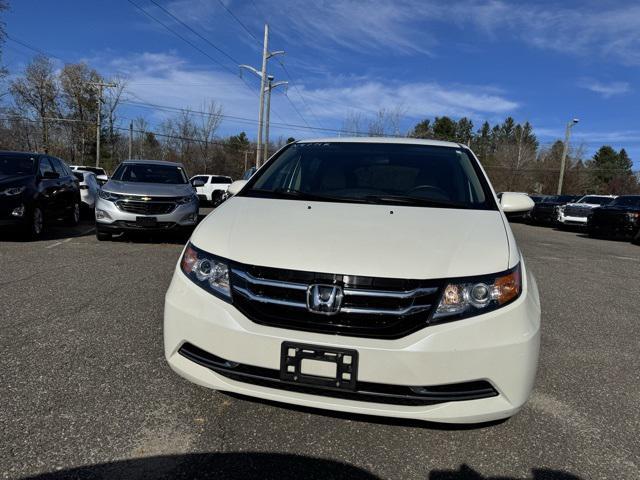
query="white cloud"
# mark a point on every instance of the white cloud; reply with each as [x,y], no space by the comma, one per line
[166,79]
[607,90]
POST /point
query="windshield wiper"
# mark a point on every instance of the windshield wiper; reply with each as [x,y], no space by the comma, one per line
[295,194]
[416,201]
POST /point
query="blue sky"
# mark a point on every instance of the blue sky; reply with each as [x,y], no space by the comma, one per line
[545,62]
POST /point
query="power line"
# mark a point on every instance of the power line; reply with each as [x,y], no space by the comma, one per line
[239,21]
[295,86]
[184,39]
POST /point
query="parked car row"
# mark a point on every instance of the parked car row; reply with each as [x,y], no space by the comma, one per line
[36,190]
[601,216]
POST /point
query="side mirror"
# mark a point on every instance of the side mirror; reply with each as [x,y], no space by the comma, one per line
[235,187]
[197,183]
[51,175]
[516,202]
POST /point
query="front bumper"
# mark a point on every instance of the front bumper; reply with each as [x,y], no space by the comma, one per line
[500,347]
[110,218]
[569,220]
[7,208]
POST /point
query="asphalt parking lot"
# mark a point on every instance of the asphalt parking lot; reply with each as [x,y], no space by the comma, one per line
[86,393]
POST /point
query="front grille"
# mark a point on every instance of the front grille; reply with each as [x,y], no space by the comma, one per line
[146,207]
[372,307]
[364,392]
[576,211]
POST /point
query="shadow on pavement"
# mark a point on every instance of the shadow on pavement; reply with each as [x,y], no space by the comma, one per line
[467,473]
[247,466]
[219,466]
[53,231]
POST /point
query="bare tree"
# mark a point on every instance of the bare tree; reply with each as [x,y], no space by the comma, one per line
[37,92]
[112,100]
[80,101]
[206,130]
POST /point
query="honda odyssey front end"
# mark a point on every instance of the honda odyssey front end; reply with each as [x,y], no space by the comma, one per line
[373,276]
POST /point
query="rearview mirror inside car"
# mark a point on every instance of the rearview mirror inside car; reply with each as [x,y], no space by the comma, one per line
[516,202]
[235,187]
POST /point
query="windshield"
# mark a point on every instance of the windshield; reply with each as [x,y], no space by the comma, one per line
[595,200]
[627,201]
[415,175]
[150,173]
[21,165]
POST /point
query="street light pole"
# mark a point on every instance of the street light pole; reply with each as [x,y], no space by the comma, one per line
[565,150]
[270,86]
[100,86]
[262,74]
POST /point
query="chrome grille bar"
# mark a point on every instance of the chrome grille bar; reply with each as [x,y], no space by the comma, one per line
[418,292]
[357,310]
[268,283]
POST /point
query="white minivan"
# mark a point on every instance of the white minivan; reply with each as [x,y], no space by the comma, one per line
[367,275]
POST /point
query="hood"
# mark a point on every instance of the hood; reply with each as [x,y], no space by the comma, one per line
[618,208]
[357,239]
[150,189]
[8,180]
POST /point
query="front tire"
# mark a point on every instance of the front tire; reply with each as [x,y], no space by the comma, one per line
[35,226]
[73,217]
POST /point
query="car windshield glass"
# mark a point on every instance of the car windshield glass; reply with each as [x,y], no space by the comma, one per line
[96,170]
[594,200]
[150,173]
[17,165]
[402,174]
[630,201]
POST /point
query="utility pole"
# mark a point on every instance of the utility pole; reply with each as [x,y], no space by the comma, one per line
[130,139]
[565,150]
[266,55]
[100,86]
[270,86]
[245,160]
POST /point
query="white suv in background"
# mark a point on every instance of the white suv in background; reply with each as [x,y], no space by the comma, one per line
[214,188]
[366,275]
[577,213]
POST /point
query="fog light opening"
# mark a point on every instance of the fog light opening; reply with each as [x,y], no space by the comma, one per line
[18,211]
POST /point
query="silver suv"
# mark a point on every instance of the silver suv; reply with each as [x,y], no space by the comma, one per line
[146,195]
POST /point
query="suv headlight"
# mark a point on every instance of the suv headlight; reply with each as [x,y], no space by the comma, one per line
[633,216]
[13,191]
[112,197]
[187,199]
[207,271]
[479,295]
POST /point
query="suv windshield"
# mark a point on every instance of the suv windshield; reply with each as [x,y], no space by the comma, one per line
[595,200]
[403,174]
[96,170]
[150,173]
[21,165]
[627,201]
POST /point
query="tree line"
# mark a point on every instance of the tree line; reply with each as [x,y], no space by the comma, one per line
[55,110]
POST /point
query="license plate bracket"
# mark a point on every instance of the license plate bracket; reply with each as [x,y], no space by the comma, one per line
[146,221]
[345,360]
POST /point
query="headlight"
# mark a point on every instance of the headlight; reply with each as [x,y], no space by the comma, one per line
[476,296]
[13,191]
[112,197]
[207,271]
[187,199]
[633,216]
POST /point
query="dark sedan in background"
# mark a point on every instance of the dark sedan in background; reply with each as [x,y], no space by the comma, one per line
[545,211]
[34,190]
[620,218]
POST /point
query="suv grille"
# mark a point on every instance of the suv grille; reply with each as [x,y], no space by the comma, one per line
[146,207]
[371,307]
[576,211]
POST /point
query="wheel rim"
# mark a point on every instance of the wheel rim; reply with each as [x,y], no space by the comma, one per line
[37,221]
[76,213]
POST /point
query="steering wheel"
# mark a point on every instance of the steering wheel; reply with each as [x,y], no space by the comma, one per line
[439,192]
